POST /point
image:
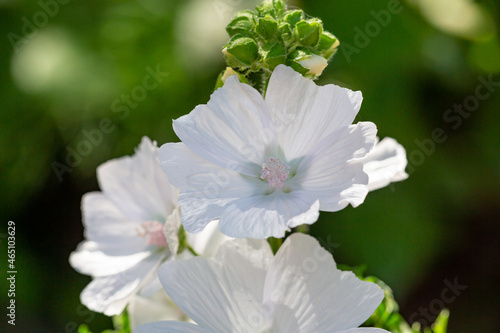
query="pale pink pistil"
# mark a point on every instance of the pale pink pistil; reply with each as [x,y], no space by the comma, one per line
[275,171]
[154,232]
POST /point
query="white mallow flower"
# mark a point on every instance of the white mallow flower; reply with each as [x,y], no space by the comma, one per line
[263,166]
[131,227]
[243,288]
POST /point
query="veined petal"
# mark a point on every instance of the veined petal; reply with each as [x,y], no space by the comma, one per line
[303,278]
[385,164]
[137,185]
[87,259]
[304,113]
[234,130]
[170,327]
[224,292]
[263,216]
[106,225]
[332,172]
[110,294]
[205,187]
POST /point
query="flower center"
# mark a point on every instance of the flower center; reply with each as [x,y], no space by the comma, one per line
[275,171]
[153,230]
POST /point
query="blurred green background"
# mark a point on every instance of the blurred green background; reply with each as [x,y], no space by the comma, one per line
[66,65]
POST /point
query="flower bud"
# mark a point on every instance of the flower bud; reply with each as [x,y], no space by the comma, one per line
[242,23]
[309,32]
[307,63]
[267,27]
[315,63]
[241,52]
[275,56]
[293,17]
[328,44]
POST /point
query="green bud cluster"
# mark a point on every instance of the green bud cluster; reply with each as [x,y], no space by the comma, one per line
[272,35]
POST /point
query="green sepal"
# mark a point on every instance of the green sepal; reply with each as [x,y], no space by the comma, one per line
[327,46]
[274,8]
[242,23]
[293,17]
[295,57]
[266,27]
[275,56]
[309,32]
[241,51]
[285,31]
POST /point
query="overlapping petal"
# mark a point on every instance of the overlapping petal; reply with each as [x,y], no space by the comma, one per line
[245,289]
[332,172]
[219,131]
[205,187]
[303,278]
[304,113]
[136,184]
[110,294]
[268,215]
[222,293]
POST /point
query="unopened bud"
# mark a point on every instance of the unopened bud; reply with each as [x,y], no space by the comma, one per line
[241,51]
[315,63]
[309,32]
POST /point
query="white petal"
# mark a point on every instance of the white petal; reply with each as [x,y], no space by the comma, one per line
[233,131]
[171,230]
[304,114]
[207,242]
[268,215]
[158,307]
[106,225]
[87,259]
[385,164]
[170,327]
[137,185]
[303,278]
[222,293]
[332,172]
[205,187]
[363,330]
[110,294]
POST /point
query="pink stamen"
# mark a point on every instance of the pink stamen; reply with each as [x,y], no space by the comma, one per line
[275,171]
[154,230]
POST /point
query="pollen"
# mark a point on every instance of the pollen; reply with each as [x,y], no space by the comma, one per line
[154,232]
[274,171]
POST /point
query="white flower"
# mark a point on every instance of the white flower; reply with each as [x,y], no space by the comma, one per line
[385,164]
[264,166]
[245,289]
[131,227]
